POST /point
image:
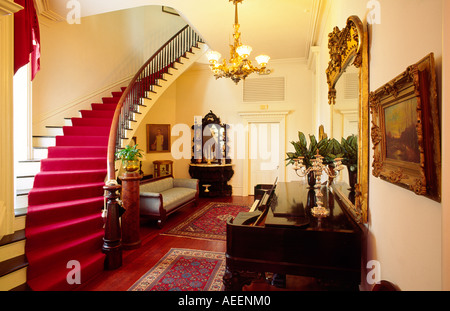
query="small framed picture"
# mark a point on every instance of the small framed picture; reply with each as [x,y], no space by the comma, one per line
[158,138]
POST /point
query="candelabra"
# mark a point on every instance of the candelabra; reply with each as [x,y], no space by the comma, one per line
[317,169]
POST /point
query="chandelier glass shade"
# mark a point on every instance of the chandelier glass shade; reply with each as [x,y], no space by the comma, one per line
[239,66]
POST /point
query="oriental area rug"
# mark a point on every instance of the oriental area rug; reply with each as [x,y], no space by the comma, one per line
[209,222]
[184,270]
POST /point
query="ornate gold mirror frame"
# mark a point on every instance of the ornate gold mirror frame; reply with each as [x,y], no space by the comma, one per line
[347,47]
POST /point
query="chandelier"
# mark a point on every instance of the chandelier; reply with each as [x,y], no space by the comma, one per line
[239,66]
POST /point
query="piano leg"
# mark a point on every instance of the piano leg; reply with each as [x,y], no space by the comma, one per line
[235,280]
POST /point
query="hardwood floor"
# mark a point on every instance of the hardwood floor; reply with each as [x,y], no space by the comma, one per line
[154,246]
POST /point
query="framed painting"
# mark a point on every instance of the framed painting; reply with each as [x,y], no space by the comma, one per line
[158,138]
[406,130]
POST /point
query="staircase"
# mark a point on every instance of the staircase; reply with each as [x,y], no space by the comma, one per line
[64,220]
[38,181]
[65,202]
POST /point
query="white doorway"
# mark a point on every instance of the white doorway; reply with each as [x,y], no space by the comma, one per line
[265,150]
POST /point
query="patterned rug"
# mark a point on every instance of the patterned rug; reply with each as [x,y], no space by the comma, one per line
[209,222]
[184,270]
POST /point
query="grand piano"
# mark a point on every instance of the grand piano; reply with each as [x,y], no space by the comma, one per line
[280,235]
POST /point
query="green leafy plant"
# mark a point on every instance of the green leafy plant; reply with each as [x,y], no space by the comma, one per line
[307,152]
[350,149]
[129,153]
[333,150]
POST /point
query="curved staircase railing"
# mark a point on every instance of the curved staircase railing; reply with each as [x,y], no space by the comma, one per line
[140,86]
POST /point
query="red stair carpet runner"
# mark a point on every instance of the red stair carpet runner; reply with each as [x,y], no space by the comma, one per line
[64,228]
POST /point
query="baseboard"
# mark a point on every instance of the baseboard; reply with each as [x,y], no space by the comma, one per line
[238,191]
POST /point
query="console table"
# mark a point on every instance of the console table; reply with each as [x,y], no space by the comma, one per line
[213,179]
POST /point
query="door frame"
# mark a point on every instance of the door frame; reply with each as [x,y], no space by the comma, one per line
[263,117]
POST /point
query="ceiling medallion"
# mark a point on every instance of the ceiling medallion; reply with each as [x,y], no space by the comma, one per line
[239,66]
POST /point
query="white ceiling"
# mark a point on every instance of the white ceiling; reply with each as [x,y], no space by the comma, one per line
[282,28]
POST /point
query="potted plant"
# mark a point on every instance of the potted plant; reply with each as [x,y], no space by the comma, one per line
[130,157]
[308,153]
[350,158]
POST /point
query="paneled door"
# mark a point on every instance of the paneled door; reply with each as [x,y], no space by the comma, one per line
[265,153]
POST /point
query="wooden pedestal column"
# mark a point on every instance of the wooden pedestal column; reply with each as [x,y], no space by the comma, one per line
[130,218]
[111,241]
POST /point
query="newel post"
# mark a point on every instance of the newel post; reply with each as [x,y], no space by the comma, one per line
[112,246]
[130,218]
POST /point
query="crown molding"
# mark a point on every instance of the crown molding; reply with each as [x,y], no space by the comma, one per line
[314,51]
[9,7]
[43,9]
[320,9]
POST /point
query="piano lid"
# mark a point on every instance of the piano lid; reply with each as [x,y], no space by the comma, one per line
[288,207]
[291,207]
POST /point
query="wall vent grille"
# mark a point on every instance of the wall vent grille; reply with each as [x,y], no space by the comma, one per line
[264,89]
[351,86]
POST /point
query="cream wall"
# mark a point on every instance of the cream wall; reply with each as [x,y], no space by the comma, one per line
[162,112]
[81,63]
[405,230]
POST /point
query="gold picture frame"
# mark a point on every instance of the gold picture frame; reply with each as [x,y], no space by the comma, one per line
[158,138]
[406,130]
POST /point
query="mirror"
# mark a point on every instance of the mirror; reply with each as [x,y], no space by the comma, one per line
[344,113]
[348,96]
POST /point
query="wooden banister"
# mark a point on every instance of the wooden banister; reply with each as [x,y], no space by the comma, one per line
[143,82]
[160,62]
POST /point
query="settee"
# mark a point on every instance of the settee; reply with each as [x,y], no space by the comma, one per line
[162,197]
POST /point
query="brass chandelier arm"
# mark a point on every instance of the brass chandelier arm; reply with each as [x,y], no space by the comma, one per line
[236,18]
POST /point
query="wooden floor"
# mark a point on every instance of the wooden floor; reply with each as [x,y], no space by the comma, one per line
[154,246]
